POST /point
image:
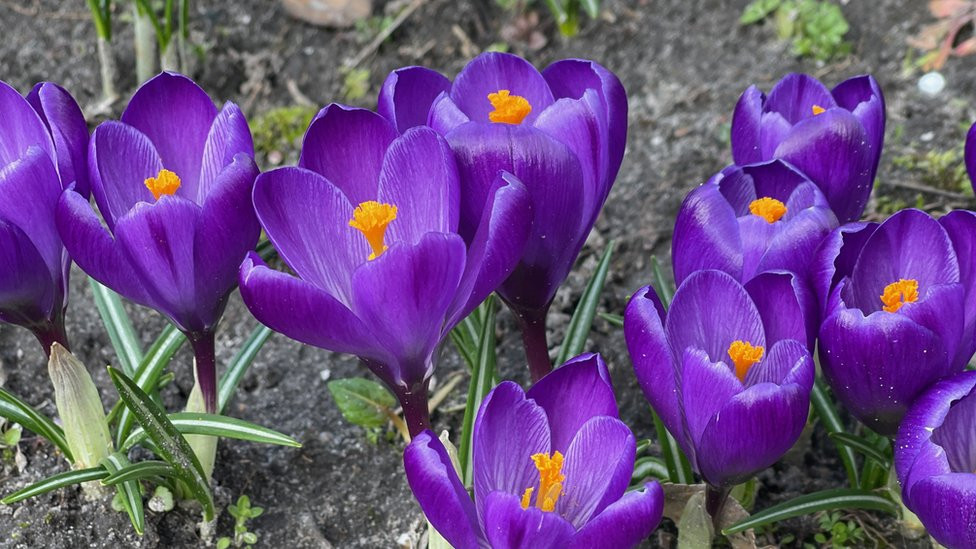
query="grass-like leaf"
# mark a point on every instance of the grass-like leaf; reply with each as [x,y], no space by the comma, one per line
[170,443]
[118,326]
[831,420]
[592,7]
[147,375]
[679,470]
[482,380]
[191,423]
[239,364]
[57,481]
[662,285]
[18,411]
[128,488]
[582,320]
[861,445]
[826,500]
[614,319]
[138,471]
[649,466]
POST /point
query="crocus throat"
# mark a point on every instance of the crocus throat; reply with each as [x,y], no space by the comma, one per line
[509,109]
[899,293]
[770,209]
[550,482]
[744,355]
[371,218]
[817,109]
[165,182]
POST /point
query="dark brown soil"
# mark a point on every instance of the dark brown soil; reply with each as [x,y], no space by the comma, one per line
[684,63]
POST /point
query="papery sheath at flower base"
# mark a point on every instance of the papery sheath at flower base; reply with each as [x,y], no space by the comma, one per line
[172,180]
[551,469]
[833,136]
[899,310]
[729,376]
[43,143]
[369,224]
[561,132]
[935,458]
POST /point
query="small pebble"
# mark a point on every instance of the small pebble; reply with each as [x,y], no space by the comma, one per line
[931,83]
[927,136]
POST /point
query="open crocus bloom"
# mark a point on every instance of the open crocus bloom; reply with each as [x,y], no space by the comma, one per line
[561,132]
[551,469]
[172,180]
[898,310]
[833,136]
[728,374]
[935,458]
[369,224]
[43,145]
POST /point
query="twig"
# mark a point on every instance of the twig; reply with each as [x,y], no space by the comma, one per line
[296,94]
[383,35]
[441,394]
[926,189]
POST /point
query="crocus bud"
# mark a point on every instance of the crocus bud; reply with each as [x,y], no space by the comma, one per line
[80,409]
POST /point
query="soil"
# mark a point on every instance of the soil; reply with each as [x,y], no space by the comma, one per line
[684,63]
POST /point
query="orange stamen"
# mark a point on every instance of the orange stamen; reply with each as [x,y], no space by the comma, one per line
[743,356]
[899,293]
[165,182]
[817,109]
[550,482]
[509,109]
[767,208]
[371,218]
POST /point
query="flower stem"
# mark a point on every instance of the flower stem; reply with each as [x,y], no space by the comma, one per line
[52,332]
[415,407]
[532,323]
[205,364]
[715,498]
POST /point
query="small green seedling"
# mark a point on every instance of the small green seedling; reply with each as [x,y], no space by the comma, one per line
[242,512]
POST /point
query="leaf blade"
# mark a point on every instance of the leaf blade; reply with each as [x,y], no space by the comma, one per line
[482,379]
[119,327]
[18,411]
[54,482]
[825,500]
[582,320]
[239,364]
[130,490]
[192,423]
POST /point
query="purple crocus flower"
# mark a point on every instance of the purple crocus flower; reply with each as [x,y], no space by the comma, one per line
[726,372]
[899,310]
[172,181]
[970,154]
[551,469]
[833,136]
[562,132]
[42,150]
[369,223]
[935,458]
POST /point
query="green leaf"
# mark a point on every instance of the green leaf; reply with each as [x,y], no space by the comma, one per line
[582,321]
[129,491]
[169,442]
[119,327]
[54,482]
[192,423]
[239,364]
[831,421]
[18,411]
[663,286]
[139,471]
[592,7]
[148,373]
[826,500]
[614,319]
[757,10]
[362,402]
[861,445]
[558,9]
[649,466]
[482,380]
[642,446]
[679,470]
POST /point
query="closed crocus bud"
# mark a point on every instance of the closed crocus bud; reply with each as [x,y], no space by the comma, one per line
[935,458]
[80,408]
[833,136]
[899,310]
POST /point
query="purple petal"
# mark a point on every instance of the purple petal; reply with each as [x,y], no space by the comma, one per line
[946,505]
[120,159]
[496,247]
[95,250]
[793,245]
[960,225]
[752,431]
[955,435]
[598,466]
[709,311]
[419,176]
[407,95]
[158,240]
[786,361]
[508,525]
[26,287]
[909,245]
[787,307]
[705,387]
[832,149]
[746,126]
[439,491]
[756,234]
[68,128]
[176,115]
[22,127]
[403,296]
[625,522]
[836,256]
[307,220]
[304,312]
[30,189]
[573,394]
[773,130]
[862,96]
[445,115]
[494,71]
[572,77]
[706,235]
[508,430]
[347,145]
[795,95]
[228,137]
[228,230]
[970,154]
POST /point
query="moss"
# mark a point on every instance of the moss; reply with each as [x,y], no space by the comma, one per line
[939,169]
[278,133]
